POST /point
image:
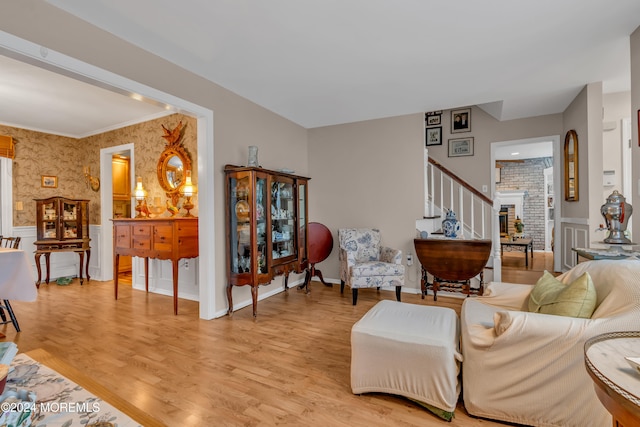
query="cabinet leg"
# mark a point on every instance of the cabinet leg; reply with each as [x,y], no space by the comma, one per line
[47,262]
[39,270]
[88,251]
[286,281]
[116,264]
[81,255]
[175,285]
[230,299]
[254,297]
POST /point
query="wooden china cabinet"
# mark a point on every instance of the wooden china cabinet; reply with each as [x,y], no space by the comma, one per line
[266,214]
[62,225]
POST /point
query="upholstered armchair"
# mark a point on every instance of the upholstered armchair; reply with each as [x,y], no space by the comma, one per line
[364,263]
[526,367]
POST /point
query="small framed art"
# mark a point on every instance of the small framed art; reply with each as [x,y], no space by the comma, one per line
[461,120]
[461,147]
[48,181]
[433,120]
[433,136]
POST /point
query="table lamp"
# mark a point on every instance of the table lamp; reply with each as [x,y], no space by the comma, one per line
[188,190]
[139,193]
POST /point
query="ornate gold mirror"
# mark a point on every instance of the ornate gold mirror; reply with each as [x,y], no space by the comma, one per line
[173,164]
[571,166]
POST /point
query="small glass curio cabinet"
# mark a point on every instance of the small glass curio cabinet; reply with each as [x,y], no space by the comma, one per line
[62,225]
[266,227]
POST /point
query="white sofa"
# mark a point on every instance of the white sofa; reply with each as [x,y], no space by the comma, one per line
[528,368]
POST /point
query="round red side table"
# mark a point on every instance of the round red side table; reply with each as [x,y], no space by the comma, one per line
[320,247]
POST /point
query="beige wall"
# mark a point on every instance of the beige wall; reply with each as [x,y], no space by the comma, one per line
[575,117]
[238,122]
[617,106]
[370,174]
[635,106]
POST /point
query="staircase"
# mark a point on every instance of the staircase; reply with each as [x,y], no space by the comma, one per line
[478,214]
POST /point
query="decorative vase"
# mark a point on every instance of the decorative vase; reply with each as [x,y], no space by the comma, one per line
[253,156]
[616,213]
[450,225]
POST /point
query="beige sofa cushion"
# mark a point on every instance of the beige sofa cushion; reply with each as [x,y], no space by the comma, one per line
[551,296]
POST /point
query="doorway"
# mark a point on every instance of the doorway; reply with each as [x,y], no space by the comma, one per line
[121,196]
[532,148]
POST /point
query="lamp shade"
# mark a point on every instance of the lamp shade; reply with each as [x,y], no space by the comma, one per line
[139,192]
[189,188]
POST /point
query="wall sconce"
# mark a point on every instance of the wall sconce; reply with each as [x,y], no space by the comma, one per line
[91,181]
[188,190]
[140,194]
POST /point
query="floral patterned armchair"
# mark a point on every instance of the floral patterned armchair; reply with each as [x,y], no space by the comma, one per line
[364,263]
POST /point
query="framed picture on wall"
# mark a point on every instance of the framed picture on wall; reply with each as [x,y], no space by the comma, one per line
[433,120]
[433,136]
[48,181]
[461,120]
[461,147]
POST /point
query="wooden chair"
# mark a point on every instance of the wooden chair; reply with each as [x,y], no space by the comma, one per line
[452,263]
[10,242]
[13,243]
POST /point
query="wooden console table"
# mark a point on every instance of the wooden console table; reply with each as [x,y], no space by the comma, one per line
[523,242]
[616,383]
[161,238]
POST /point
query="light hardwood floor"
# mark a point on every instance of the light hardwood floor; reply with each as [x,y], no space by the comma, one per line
[290,366]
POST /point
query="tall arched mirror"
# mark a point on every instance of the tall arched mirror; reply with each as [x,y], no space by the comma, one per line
[571,166]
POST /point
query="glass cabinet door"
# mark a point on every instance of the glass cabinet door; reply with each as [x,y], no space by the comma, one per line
[302,216]
[48,226]
[69,213]
[261,224]
[240,223]
[283,231]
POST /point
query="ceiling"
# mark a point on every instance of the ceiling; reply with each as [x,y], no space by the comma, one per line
[328,62]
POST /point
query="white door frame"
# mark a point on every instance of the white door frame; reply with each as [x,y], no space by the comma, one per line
[106,203]
[6,196]
[51,60]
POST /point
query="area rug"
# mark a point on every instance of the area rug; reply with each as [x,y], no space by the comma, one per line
[60,401]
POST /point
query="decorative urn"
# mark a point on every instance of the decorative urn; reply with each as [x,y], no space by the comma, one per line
[616,213]
[450,225]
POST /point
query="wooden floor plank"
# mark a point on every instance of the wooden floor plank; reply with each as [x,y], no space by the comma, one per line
[290,366]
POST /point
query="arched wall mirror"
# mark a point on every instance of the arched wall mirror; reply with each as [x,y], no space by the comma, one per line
[173,164]
[571,166]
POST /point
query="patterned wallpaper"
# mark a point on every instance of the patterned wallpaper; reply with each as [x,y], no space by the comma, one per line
[40,154]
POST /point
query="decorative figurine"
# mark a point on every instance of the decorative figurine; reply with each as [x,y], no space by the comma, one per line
[173,210]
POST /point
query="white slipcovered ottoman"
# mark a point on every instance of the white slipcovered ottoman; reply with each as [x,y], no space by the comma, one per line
[409,350]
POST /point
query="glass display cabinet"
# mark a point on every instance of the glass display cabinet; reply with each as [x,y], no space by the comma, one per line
[62,225]
[266,227]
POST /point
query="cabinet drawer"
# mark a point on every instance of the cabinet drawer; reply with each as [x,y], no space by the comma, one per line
[123,236]
[141,230]
[141,243]
[163,238]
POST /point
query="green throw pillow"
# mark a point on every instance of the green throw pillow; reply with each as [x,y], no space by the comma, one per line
[551,296]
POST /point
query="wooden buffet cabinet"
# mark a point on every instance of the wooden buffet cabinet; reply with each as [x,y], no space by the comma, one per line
[62,225]
[161,238]
[266,227]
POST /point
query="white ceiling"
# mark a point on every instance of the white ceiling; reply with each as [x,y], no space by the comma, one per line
[327,62]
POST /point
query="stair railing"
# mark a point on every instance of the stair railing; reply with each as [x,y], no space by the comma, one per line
[477,213]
